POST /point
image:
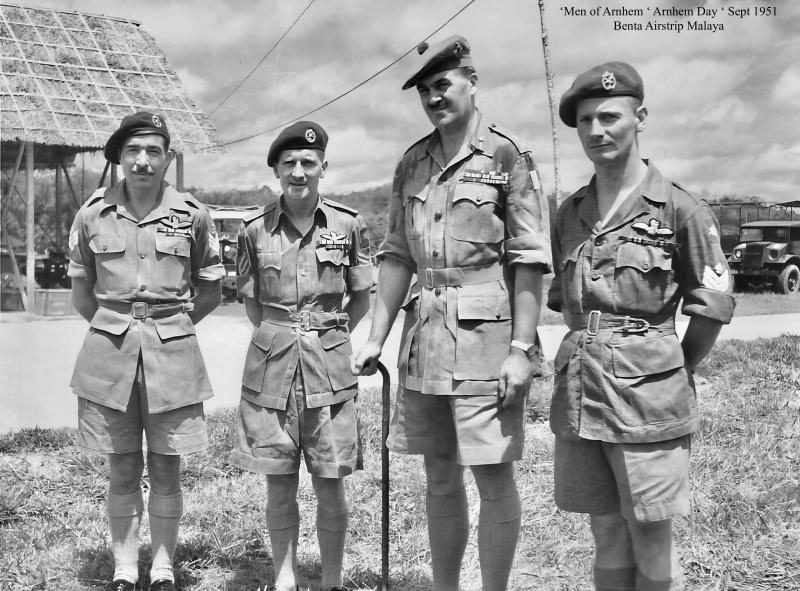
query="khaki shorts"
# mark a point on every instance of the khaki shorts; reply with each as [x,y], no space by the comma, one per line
[475,428]
[108,430]
[270,441]
[642,481]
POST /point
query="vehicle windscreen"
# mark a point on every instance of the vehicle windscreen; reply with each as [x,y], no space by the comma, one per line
[765,234]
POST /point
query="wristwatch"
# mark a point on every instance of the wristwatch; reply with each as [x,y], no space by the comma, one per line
[527,348]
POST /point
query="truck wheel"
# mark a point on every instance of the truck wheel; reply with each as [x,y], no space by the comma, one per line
[789,279]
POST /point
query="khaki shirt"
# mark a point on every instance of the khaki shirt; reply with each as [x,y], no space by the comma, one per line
[286,271]
[662,246]
[156,260]
[461,228]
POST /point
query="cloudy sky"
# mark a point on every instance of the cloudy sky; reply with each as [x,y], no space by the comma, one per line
[723,105]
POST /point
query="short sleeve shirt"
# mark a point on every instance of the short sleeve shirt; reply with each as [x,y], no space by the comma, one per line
[285,270]
[158,259]
[463,224]
[660,248]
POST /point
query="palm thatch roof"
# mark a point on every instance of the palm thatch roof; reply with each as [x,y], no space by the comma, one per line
[68,78]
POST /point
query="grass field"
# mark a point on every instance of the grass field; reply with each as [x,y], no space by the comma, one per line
[743,533]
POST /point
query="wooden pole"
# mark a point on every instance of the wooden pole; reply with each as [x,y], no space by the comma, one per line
[72,192]
[30,266]
[179,171]
[549,77]
[58,201]
[14,266]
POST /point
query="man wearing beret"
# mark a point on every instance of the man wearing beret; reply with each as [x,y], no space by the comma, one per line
[627,248]
[305,276]
[145,268]
[468,216]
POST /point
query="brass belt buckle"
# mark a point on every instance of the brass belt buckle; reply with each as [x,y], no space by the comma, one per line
[305,320]
[429,278]
[593,325]
[632,325]
[139,310]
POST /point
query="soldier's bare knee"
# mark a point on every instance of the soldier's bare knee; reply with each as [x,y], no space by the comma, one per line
[125,472]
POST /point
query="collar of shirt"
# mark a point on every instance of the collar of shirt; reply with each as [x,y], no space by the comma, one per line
[653,187]
[481,140]
[321,208]
[169,202]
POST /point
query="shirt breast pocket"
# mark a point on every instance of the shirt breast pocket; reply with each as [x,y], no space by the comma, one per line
[110,262]
[331,265]
[476,214]
[643,276]
[269,273]
[173,256]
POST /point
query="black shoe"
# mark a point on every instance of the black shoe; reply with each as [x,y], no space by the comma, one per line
[122,585]
[162,585]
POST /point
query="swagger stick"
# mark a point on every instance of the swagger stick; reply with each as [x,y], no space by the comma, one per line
[385,402]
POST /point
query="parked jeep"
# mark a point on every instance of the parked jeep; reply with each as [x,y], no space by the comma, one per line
[769,251]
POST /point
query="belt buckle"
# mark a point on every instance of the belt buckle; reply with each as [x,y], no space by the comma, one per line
[139,310]
[632,325]
[305,320]
[593,325]
[428,277]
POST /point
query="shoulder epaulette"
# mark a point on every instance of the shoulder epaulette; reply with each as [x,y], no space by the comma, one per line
[260,212]
[96,196]
[337,205]
[190,199]
[509,136]
[417,143]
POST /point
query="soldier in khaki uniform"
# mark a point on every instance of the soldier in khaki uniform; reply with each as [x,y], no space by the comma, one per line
[467,215]
[627,248]
[145,268]
[305,275]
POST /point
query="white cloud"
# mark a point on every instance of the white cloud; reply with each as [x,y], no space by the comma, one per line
[787,88]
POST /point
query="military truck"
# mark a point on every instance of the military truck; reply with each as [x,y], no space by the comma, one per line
[768,252]
[227,219]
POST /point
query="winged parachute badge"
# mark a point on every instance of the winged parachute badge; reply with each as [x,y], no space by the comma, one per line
[653,228]
[334,241]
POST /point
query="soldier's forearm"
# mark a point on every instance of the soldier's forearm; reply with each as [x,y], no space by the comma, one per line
[527,301]
[393,281]
[253,310]
[208,297]
[357,306]
[83,298]
[700,336]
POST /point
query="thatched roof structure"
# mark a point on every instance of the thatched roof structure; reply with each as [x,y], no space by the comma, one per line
[68,78]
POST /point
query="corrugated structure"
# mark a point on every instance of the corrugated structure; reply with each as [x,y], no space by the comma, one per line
[68,78]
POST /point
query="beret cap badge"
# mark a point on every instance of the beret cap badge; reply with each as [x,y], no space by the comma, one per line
[301,135]
[602,81]
[156,121]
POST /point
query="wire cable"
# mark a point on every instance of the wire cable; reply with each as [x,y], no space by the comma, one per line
[261,61]
[345,93]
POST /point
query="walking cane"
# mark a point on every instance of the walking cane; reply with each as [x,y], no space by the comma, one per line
[385,401]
